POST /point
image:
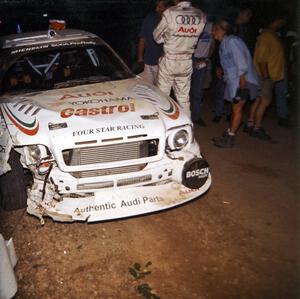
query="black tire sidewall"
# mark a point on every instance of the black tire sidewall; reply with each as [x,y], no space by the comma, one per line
[13,195]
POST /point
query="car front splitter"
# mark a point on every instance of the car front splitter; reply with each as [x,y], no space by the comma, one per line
[116,204]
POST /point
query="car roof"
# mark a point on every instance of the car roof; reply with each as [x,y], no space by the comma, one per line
[43,37]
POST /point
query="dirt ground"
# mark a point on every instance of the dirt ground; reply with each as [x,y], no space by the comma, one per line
[237,241]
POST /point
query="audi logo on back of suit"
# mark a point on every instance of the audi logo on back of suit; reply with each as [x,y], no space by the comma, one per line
[187,20]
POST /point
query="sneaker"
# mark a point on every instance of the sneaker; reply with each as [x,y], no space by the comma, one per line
[223,135]
[248,129]
[216,119]
[224,141]
[260,134]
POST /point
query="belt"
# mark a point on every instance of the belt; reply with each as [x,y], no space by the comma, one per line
[178,56]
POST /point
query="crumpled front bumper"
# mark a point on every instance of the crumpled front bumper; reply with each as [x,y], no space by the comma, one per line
[107,205]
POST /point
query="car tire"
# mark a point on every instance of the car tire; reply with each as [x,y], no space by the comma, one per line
[13,194]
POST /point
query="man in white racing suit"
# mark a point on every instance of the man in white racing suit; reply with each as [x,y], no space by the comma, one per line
[179,30]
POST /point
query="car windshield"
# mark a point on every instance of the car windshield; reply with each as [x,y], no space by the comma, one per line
[63,68]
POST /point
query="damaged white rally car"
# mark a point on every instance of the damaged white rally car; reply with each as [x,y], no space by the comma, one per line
[83,138]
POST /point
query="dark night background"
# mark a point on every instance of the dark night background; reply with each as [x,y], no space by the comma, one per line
[117,22]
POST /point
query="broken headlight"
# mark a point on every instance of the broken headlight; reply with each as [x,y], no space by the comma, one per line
[34,152]
[37,153]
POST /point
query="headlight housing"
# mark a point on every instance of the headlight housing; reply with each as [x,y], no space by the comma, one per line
[180,138]
[34,152]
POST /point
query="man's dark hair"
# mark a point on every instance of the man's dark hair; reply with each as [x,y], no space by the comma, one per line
[225,25]
[245,7]
[275,14]
[166,3]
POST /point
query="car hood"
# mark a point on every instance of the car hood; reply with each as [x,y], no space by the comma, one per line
[103,110]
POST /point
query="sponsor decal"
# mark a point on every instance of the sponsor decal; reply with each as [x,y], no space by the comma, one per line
[84,95]
[199,173]
[107,129]
[57,126]
[72,43]
[99,101]
[150,117]
[195,173]
[186,191]
[103,110]
[53,45]
[28,128]
[29,49]
[187,30]
[173,111]
[188,20]
[147,94]
[138,201]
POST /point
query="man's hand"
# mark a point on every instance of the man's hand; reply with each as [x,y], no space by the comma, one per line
[242,94]
[242,82]
[263,67]
[201,63]
[219,72]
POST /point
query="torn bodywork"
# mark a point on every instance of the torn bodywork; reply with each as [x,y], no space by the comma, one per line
[98,142]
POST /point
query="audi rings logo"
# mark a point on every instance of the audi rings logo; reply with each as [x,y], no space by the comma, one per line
[187,20]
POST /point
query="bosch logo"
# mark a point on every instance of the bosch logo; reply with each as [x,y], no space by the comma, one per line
[195,173]
[200,173]
[188,20]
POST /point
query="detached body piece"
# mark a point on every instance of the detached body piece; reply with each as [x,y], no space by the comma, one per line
[8,260]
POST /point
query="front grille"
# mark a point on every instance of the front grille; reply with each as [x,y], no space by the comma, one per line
[100,185]
[120,183]
[110,153]
[136,180]
[107,171]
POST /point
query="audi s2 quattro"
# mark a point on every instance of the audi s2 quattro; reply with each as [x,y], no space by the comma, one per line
[83,138]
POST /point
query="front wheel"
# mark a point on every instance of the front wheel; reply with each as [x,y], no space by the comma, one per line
[13,195]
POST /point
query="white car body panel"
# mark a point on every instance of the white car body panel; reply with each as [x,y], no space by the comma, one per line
[115,116]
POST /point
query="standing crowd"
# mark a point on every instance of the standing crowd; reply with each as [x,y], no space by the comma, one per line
[181,51]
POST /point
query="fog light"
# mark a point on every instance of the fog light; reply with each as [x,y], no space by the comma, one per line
[195,173]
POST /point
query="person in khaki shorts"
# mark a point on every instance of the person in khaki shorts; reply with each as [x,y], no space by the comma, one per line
[270,64]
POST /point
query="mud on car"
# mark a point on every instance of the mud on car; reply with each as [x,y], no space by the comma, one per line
[83,138]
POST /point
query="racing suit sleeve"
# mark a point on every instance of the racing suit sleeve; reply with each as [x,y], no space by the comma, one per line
[159,31]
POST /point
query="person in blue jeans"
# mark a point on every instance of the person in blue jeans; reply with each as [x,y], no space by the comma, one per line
[221,106]
[200,66]
[240,77]
[280,91]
